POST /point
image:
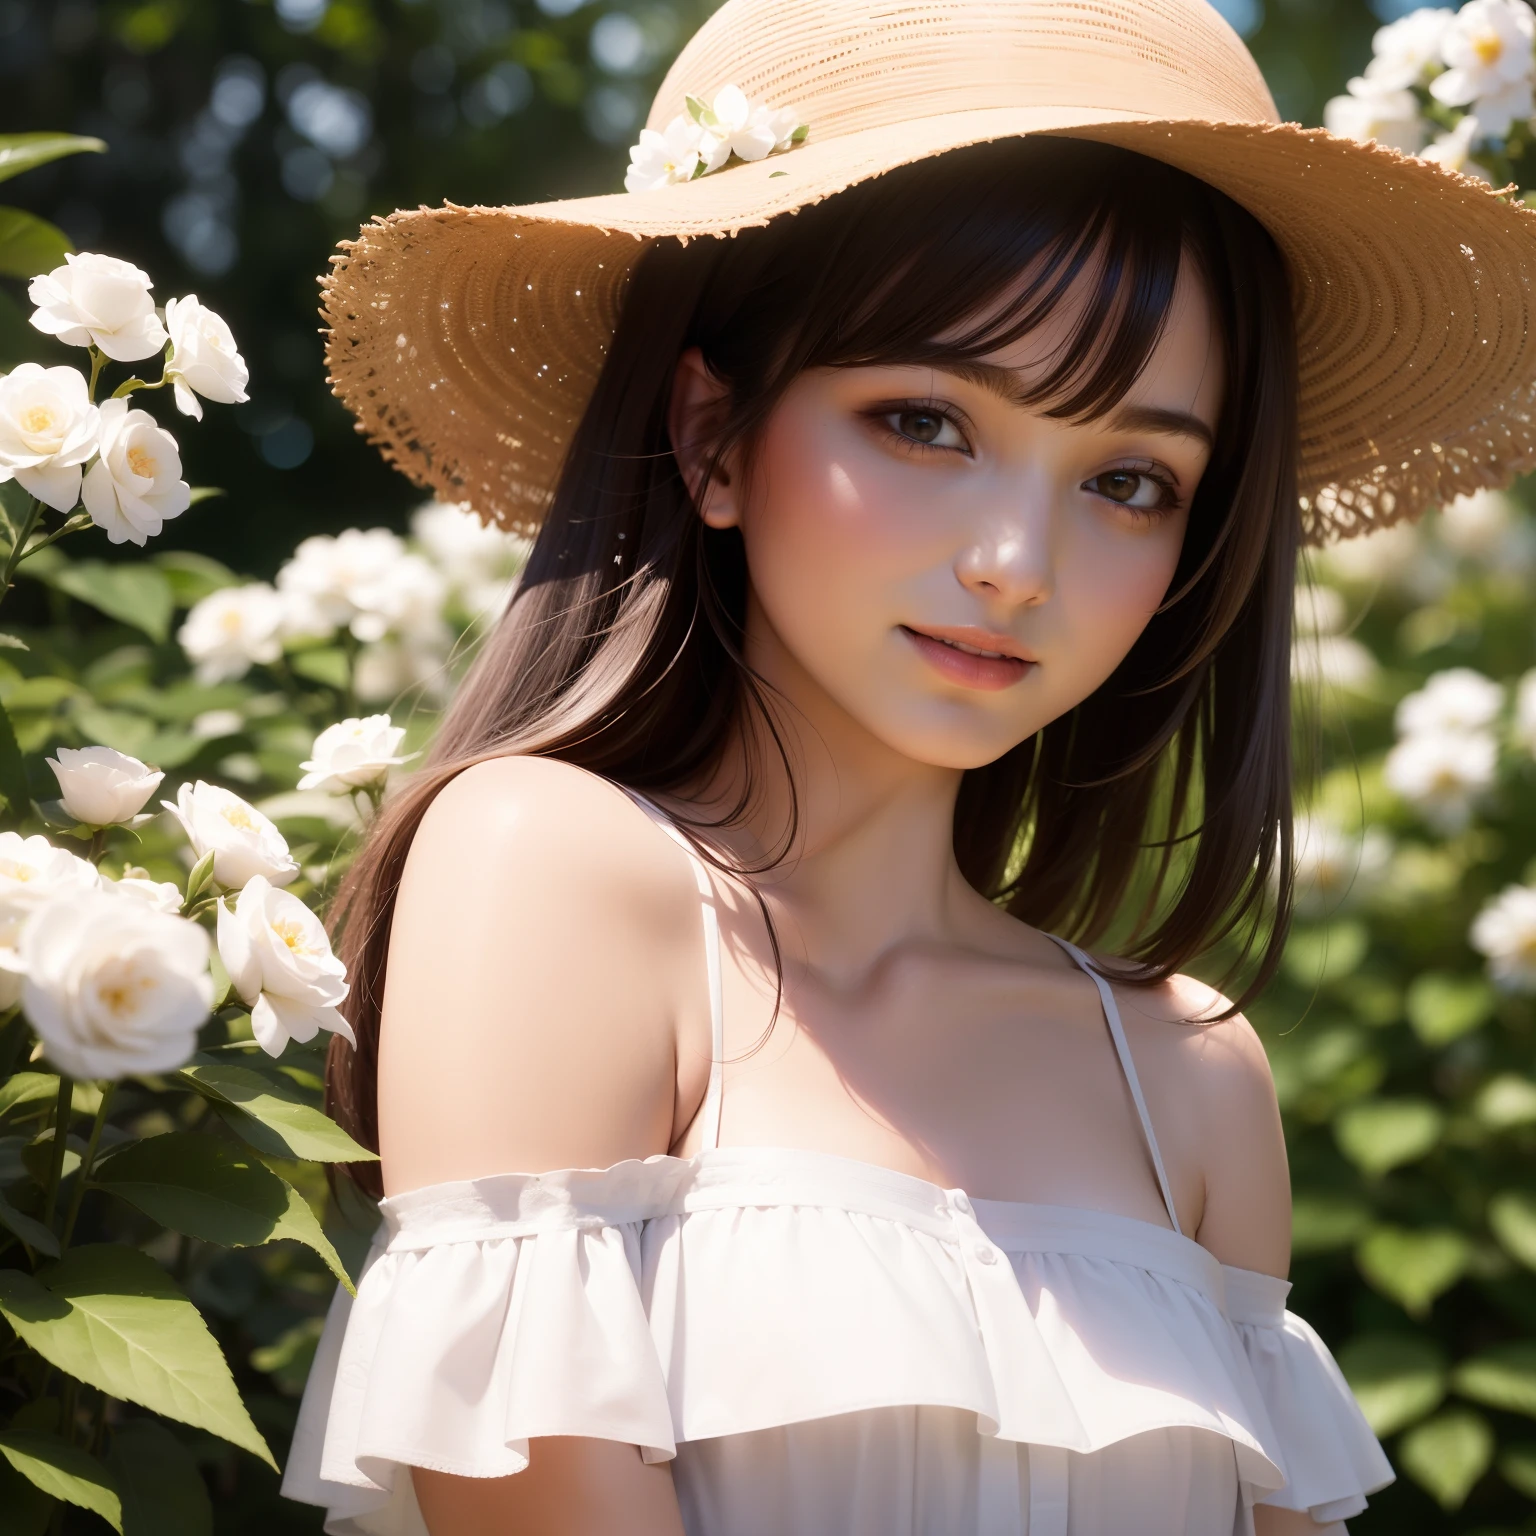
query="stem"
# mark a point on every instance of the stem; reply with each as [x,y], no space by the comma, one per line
[98,845]
[73,524]
[98,362]
[351,645]
[77,1194]
[61,1115]
[12,560]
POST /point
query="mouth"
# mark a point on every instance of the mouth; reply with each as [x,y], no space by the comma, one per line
[972,657]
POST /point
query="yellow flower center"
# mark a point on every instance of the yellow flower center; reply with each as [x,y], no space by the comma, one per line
[231,622]
[38,419]
[1489,47]
[121,997]
[142,462]
[292,934]
[238,816]
[14,871]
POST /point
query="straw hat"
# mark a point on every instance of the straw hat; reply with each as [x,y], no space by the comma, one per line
[467,340]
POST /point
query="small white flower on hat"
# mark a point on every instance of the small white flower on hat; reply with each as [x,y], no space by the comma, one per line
[708,137]
[99,301]
[204,359]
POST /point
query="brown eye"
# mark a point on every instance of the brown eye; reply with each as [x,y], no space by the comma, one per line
[924,426]
[1130,488]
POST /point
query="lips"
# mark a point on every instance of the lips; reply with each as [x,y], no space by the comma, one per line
[973,658]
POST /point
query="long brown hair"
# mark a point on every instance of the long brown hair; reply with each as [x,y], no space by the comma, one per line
[621,651]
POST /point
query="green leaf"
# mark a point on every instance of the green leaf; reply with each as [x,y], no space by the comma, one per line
[1506,1101]
[1504,1377]
[1447,1455]
[206,493]
[1517,1466]
[13,771]
[18,343]
[326,664]
[1380,1134]
[269,1113]
[1316,956]
[799,133]
[64,1471]
[1396,1378]
[116,728]
[210,1190]
[287,1360]
[199,879]
[28,1229]
[163,1491]
[29,245]
[23,151]
[1442,1007]
[110,1316]
[1512,1219]
[1413,1267]
[24,1507]
[1322,1222]
[33,1087]
[138,594]
[696,108]
[193,576]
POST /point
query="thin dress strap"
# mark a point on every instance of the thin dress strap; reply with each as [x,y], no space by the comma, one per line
[712,1096]
[1128,1066]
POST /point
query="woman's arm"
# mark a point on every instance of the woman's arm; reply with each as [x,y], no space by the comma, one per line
[544,955]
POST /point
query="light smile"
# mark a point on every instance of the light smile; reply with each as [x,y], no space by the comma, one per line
[972,657]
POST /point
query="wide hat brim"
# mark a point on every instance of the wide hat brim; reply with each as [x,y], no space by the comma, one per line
[467,340]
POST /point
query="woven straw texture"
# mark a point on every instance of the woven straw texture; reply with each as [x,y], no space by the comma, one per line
[467,340]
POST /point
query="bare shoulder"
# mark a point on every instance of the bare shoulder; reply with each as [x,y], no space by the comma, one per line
[1212,1079]
[543,955]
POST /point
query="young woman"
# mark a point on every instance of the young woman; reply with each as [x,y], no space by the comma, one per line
[913,589]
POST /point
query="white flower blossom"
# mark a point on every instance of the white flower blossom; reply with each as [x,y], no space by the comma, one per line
[162,895]
[1505,931]
[1488,48]
[204,359]
[1368,111]
[48,429]
[1453,150]
[1386,555]
[212,723]
[280,962]
[1333,661]
[1442,775]
[99,301]
[1453,702]
[750,131]
[101,786]
[660,159]
[32,872]
[1318,610]
[232,628]
[390,667]
[354,754]
[1476,525]
[113,986]
[364,580]
[245,843]
[1406,51]
[1332,864]
[135,487]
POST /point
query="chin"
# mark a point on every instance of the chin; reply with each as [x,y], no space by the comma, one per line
[950,744]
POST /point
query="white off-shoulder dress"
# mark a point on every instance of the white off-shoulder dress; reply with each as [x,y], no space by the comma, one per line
[824,1347]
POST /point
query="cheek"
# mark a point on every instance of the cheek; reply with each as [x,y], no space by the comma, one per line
[1109,589]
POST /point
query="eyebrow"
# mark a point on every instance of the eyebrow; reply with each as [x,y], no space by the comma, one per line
[1006,384]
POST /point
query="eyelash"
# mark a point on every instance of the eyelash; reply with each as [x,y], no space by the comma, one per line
[1168,491]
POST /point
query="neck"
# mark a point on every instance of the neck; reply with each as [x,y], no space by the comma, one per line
[866,834]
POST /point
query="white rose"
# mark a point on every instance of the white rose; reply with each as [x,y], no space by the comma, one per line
[227,631]
[353,754]
[280,962]
[1505,931]
[113,986]
[467,550]
[48,429]
[32,872]
[204,359]
[102,786]
[1442,774]
[99,301]
[245,844]
[1453,701]
[325,574]
[162,895]
[1333,864]
[136,484]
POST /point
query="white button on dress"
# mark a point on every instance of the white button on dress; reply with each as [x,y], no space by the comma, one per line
[824,1347]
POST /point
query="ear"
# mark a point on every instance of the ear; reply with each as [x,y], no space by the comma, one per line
[693,417]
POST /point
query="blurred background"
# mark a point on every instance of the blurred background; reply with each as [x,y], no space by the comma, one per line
[246,137]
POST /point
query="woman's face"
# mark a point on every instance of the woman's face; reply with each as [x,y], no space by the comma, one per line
[946,565]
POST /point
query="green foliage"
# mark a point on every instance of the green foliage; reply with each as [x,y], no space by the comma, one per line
[63,1471]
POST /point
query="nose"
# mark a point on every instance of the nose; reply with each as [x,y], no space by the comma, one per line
[1010,561]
